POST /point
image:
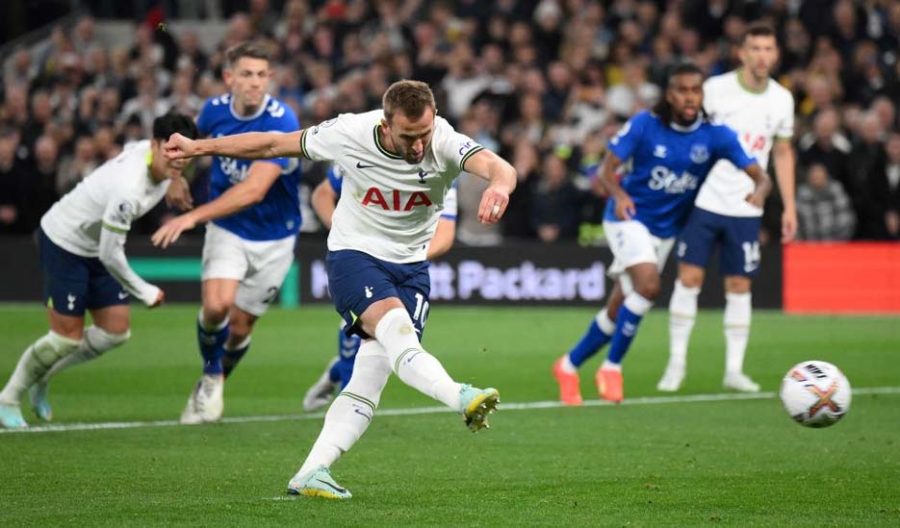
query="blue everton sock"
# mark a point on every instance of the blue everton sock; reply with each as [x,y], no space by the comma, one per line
[232,357]
[348,346]
[627,321]
[212,346]
[598,334]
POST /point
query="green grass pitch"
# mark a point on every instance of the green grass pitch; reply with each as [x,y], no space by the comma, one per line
[668,463]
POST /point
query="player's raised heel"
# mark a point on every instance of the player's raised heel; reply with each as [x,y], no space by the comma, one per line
[569,384]
[740,382]
[206,402]
[610,385]
[318,483]
[39,402]
[476,405]
[11,416]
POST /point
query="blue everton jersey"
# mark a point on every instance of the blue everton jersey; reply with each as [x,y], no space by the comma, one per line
[278,214]
[667,166]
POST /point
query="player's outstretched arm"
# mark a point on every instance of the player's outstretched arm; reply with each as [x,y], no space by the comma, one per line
[785,159]
[252,190]
[251,145]
[763,185]
[324,201]
[112,255]
[502,178]
[624,205]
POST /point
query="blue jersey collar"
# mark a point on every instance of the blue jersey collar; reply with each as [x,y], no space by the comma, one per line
[262,108]
[690,128]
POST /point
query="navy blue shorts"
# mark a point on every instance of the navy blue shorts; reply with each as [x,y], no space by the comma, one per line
[356,280]
[73,284]
[736,236]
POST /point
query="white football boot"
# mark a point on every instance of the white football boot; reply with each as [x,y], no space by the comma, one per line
[671,379]
[206,402]
[321,393]
[740,382]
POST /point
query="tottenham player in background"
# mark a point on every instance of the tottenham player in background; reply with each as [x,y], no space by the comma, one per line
[339,370]
[762,113]
[670,151]
[254,217]
[82,251]
[399,162]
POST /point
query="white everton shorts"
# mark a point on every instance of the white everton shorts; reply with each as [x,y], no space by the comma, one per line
[631,243]
[260,266]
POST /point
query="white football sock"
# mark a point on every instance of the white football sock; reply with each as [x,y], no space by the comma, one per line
[353,409]
[412,364]
[682,314]
[95,343]
[738,307]
[566,364]
[34,363]
[607,325]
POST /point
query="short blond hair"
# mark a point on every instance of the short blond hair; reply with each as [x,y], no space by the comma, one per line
[408,97]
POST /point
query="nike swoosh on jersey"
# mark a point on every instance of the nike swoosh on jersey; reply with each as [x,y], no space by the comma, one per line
[359,165]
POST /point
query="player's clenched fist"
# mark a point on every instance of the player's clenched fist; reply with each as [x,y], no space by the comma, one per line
[178,147]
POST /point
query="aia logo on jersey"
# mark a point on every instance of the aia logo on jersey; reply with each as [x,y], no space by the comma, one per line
[394,200]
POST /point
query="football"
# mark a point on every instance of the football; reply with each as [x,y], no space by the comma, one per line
[815,393]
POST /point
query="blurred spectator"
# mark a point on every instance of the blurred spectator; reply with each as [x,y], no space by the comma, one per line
[556,210]
[885,192]
[12,186]
[867,163]
[73,168]
[823,208]
[633,94]
[517,220]
[39,180]
[826,144]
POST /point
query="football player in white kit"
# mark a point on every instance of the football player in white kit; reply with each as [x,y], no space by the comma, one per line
[762,113]
[337,373]
[82,252]
[399,162]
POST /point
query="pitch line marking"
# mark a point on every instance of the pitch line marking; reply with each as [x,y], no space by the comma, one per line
[412,411]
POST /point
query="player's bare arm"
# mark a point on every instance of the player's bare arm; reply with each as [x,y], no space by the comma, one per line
[610,182]
[785,158]
[252,190]
[502,177]
[323,201]
[443,238]
[179,194]
[251,145]
[763,185]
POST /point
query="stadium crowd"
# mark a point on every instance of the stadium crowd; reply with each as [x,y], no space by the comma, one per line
[544,83]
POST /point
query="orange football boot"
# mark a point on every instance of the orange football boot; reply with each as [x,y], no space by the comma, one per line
[569,384]
[609,385]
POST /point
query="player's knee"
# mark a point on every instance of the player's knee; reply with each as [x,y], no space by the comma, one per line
[737,284]
[98,340]
[215,310]
[648,289]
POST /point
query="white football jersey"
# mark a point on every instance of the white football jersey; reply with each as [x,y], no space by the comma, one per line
[388,208]
[115,194]
[758,119]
